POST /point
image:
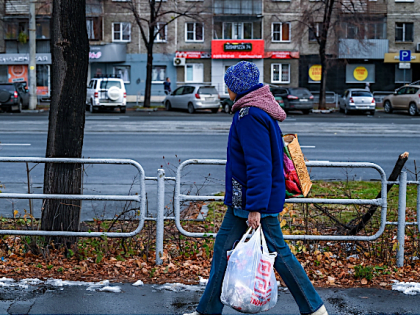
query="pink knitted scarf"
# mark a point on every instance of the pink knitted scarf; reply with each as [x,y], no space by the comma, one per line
[263,99]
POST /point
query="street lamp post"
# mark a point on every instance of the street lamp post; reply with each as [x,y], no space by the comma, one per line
[32,56]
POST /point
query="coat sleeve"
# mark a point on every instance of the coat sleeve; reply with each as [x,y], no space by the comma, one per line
[254,136]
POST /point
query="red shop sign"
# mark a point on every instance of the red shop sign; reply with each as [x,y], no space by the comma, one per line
[237,49]
[282,54]
[192,54]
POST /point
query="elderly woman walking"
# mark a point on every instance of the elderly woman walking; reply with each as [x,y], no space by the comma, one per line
[255,189]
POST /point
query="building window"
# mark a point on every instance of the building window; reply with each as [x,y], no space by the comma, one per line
[404,32]
[314,31]
[124,72]
[161,31]
[43,30]
[121,32]
[194,72]
[237,30]
[280,32]
[194,32]
[280,73]
[17,30]
[376,30]
[94,28]
[158,74]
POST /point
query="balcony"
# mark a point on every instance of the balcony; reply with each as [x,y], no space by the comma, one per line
[362,49]
[238,7]
[364,6]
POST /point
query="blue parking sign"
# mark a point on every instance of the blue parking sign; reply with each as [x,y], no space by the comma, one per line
[405,55]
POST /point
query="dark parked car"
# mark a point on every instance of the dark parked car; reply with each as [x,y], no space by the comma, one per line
[14,96]
[227,103]
[295,98]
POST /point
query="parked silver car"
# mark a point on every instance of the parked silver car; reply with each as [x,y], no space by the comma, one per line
[193,97]
[357,100]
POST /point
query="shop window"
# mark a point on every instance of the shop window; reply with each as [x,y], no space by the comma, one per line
[280,32]
[121,32]
[314,32]
[43,79]
[194,72]
[94,28]
[404,32]
[280,73]
[161,31]
[237,30]
[402,76]
[158,74]
[124,72]
[194,32]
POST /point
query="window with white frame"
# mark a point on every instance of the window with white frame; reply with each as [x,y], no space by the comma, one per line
[124,72]
[404,32]
[234,30]
[280,32]
[194,72]
[280,73]
[121,32]
[158,74]
[194,32]
[161,29]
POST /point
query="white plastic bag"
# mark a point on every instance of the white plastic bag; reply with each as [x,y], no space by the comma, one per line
[250,285]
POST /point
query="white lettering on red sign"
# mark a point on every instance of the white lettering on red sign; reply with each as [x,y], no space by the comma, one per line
[93,55]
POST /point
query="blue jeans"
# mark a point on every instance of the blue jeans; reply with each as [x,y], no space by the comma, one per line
[286,264]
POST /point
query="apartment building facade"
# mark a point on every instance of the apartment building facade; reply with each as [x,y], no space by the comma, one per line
[198,47]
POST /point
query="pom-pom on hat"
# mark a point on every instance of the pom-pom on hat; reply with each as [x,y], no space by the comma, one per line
[242,77]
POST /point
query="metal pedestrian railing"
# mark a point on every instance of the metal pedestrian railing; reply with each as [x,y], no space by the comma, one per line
[179,198]
[141,198]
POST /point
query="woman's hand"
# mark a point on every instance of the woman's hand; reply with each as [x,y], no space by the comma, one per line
[254,219]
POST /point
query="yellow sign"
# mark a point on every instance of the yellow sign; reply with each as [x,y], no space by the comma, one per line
[315,72]
[360,73]
[395,58]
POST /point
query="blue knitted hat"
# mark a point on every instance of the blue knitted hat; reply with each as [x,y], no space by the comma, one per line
[242,77]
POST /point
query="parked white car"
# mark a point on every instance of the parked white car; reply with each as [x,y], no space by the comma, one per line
[106,92]
[193,97]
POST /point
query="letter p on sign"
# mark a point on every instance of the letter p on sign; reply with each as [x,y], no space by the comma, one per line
[405,55]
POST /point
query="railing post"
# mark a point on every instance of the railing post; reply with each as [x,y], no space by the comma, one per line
[402,199]
[160,215]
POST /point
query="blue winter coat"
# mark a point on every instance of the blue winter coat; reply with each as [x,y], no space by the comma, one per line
[254,169]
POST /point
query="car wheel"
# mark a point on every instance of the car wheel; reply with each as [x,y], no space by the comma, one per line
[226,108]
[341,110]
[346,111]
[91,109]
[214,110]
[20,105]
[388,107]
[191,108]
[306,111]
[412,109]
[122,109]
[168,105]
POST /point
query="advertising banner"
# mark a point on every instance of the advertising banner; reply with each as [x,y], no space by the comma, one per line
[192,54]
[237,49]
[17,73]
[315,74]
[360,73]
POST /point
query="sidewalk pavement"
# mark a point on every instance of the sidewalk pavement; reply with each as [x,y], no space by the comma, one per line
[152,299]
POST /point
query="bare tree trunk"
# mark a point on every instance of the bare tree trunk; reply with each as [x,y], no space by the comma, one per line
[70,48]
[149,67]
[323,85]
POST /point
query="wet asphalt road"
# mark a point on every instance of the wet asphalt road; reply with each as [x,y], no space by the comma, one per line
[158,138]
[149,300]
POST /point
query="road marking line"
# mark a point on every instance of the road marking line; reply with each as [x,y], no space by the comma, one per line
[16,144]
[308,146]
[290,119]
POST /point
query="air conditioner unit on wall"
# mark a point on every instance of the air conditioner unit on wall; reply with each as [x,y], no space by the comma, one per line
[418,47]
[179,62]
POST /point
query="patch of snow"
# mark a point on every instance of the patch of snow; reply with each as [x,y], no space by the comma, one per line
[138,283]
[34,281]
[110,289]
[348,247]
[415,258]
[203,281]
[179,287]
[410,288]
[6,279]
[353,256]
